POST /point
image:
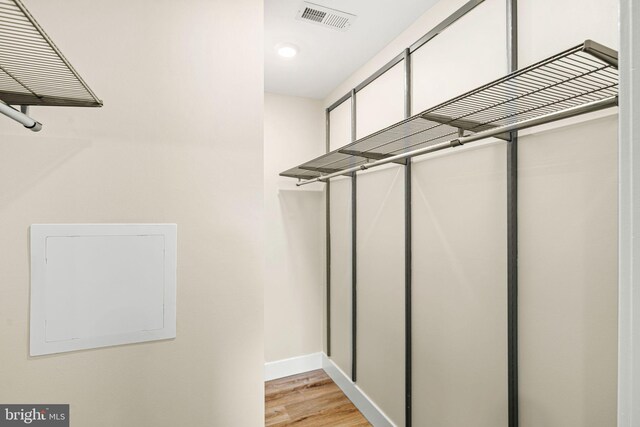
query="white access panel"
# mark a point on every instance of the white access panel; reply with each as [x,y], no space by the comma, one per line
[98,285]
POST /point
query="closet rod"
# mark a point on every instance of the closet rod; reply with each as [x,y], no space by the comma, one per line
[547,118]
[20,117]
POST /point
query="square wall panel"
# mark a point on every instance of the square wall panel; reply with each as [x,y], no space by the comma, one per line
[97,285]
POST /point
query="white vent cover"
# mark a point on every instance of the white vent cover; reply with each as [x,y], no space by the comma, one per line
[325,16]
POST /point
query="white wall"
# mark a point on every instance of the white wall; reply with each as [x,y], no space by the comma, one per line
[568,239]
[568,270]
[340,217]
[178,140]
[380,263]
[629,218]
[544,30]
[459,217]
[420,27]
[340,125]
[295,267]
[455,62]
[380,286]
[340,303]
[459,289]
[381,102]
[459,240]
[442,360]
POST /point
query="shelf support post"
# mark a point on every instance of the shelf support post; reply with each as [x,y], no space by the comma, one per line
[327,195]
[354,253]
[408,352]
[512,229]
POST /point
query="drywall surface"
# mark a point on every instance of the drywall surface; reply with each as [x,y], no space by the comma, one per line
[381,103]
[629,218]
[547,27]
[340,125]
[340,220]
[469,53]
[460,289]
[341,273]
[295,258]
[178,140]
[380,289]
[568,238]
[380,259]
[568,276]
[423,23]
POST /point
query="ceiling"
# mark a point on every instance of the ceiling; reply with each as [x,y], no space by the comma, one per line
[328,56]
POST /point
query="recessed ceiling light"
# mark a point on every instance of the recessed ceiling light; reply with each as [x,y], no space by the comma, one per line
[287,50]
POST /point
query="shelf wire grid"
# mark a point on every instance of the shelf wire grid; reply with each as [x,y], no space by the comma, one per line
[300,173]
[325,164]
[577,76]
[569,79]
[33,71]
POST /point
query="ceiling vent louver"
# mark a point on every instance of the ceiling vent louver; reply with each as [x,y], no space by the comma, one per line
[327,17]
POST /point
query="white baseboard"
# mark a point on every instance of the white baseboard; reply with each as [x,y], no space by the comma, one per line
[369,409]
[295,365]
[311,362]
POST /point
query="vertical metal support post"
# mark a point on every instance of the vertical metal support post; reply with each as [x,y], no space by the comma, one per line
[328,234]
[512,229]
[407,251]
[354,252]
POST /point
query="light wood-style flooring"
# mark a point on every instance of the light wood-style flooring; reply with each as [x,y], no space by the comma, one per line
[309,399]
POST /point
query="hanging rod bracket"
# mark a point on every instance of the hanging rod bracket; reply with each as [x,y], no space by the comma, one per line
[20,117]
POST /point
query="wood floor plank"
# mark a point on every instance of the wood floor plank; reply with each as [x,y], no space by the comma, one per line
[311,399]
[276,415]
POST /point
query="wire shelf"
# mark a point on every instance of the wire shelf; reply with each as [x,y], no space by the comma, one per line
[300,173]
[581,75]
[332,162]
[33,71]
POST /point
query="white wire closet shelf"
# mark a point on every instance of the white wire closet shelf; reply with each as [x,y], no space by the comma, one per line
[33,71]
[578,80]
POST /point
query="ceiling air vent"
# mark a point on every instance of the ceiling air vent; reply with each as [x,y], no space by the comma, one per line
[327,17]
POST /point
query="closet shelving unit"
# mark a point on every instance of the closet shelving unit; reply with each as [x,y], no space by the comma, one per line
[577,81]
[33,71]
